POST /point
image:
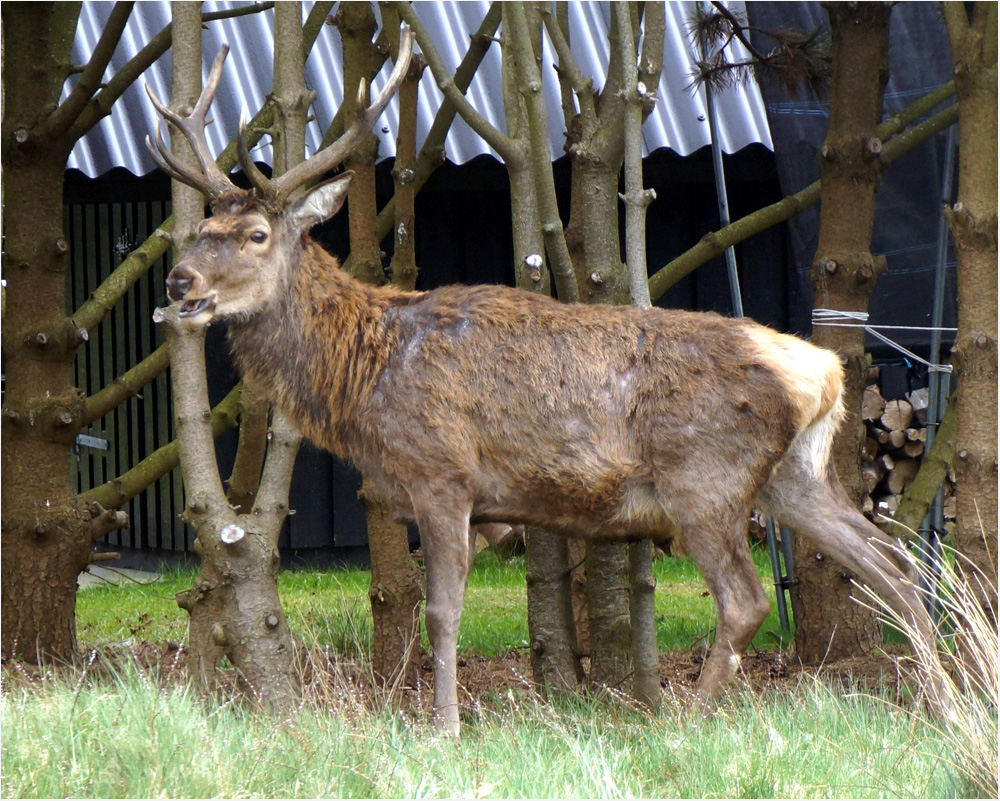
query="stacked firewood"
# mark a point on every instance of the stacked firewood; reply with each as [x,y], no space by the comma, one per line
[896,437]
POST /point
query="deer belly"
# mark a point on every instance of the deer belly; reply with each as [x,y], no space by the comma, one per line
[609,505]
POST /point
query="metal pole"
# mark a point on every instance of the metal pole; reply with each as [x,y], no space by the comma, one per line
[723,201]
[933,523]
[780,581]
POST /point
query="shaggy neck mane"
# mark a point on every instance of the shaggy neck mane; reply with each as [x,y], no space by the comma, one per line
[318,348]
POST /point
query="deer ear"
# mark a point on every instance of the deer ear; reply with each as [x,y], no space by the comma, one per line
[321,203]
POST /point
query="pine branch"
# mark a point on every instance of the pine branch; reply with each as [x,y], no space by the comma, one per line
[796,60]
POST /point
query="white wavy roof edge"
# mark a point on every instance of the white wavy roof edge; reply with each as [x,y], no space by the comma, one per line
[679,121]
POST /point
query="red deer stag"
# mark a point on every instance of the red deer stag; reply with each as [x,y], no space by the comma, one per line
[474,404]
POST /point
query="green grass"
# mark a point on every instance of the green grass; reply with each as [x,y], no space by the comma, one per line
[117,729]
[126,736]
[331,608]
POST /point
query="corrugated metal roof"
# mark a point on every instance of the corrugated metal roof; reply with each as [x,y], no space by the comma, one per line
[678,121]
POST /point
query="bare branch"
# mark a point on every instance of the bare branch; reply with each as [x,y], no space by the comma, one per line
[125,487]
[244,481]
[491,135]
[313,25]
[100,105]
[104,521]
[90,77]
[111,290]
[636,199]
[654,26]
[715,243]
[538,132]
[432,153]
[404,264]
[271,507]
[583,87]
[365,118]
[125,386]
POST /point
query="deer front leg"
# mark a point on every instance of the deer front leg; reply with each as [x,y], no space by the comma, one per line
[444,535]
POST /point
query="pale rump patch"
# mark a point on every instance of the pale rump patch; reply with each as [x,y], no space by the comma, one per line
[813,379]
[812,376]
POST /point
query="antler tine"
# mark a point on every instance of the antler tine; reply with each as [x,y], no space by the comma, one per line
[211,181]
[169,163]
[257,179]
[363,122]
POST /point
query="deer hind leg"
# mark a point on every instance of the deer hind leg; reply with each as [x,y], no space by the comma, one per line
[820,511]
[444,535]
[723,559]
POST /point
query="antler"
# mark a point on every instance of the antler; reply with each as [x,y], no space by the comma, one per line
[210,181]
[334,154]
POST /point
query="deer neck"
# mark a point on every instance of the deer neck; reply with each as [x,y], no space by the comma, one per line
[316,351]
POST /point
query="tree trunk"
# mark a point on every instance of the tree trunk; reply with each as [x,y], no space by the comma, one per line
[607,566]
[44,535]
[973,220]
[235,611]
[396,587]
[829,624]
[395,592]
[602,277]
[642,613]
[555,658]
[233,606]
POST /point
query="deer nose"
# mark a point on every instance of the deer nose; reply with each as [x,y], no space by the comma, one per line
[179,283]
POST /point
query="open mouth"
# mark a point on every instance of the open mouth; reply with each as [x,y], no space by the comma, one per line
[192,308]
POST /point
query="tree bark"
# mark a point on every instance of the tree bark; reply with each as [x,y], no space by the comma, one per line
[234,606]
[596,142]
[829,624]
[44,523]
[973,221]
[396,587]
[555,654]
[45,535]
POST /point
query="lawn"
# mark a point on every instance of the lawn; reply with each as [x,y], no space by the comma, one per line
[331,607]
[119,727]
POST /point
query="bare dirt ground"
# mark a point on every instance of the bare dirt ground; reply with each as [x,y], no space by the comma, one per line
[332,680]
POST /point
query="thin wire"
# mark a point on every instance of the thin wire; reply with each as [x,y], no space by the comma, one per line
[833,318]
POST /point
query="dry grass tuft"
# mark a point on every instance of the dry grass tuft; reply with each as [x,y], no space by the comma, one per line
[970,654]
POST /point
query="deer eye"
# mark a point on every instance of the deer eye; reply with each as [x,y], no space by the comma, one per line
[259,237]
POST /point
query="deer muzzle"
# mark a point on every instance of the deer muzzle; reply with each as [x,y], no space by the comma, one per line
[185,284]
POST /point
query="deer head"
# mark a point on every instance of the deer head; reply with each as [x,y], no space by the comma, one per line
[245,250]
